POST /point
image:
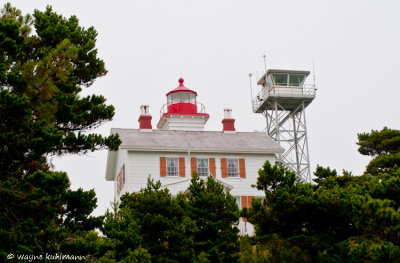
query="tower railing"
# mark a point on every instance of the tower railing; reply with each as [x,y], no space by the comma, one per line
[307,90]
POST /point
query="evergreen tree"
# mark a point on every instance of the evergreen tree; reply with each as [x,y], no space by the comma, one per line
[42,113]
[384,146]
[123,240]
[216,215]
[165,229]
[341,219]
[198,226]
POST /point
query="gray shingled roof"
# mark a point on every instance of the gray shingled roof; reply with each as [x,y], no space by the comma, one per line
[197,141]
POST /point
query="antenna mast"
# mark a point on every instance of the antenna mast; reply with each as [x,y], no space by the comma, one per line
[265,63]
[251,90]
[313,69]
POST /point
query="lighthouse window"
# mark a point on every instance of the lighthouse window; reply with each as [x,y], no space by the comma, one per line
[169,99]
[175,98]
[185,97]
[192,98]
[296,80]
[172,167]
[281,79]
[233,167]
[202,167]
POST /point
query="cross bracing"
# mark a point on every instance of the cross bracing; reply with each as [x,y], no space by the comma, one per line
[288,128]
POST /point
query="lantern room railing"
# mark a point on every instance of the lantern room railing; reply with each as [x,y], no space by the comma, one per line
[200,109]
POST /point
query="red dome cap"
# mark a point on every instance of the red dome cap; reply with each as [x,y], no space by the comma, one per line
[181,87]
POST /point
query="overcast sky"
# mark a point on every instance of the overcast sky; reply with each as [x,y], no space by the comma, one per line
[214,45]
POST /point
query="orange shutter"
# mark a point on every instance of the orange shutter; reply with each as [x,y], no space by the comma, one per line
[182,166]
[193,165]
[244,201]
[163,166]
[224,168]
[249,200]
[242,168]
[213,169]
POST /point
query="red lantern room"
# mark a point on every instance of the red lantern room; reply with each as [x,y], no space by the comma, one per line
[182,100]
[182,111]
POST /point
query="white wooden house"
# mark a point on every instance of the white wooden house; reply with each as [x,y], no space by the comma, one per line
[180,146]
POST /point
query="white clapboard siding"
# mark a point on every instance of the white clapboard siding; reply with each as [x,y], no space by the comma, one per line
[140,165]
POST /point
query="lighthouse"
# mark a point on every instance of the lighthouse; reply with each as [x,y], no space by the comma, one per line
[181,147]
[182,111]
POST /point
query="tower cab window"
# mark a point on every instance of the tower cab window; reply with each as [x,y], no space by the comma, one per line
[280,79]
[296,80]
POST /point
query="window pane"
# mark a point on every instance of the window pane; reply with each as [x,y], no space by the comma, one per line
[192,98]
[280,79]
[296,80]
[185,97]
[169,99]
[172,167]
[202,167]
[233,167]
[175,98]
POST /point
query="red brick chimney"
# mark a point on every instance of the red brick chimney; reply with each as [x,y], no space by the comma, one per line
[228,122]
[145,118]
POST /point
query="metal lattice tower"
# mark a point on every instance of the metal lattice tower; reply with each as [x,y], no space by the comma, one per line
[282,100]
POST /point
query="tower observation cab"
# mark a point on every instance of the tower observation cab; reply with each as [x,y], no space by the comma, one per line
[282,100]
[182,111]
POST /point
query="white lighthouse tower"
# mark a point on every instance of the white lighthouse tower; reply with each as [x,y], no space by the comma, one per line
[283,100]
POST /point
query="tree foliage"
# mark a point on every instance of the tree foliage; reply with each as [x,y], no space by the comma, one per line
[384,146]
[340,218]
[216,216]
[41,77]
[45,62]
[192,227]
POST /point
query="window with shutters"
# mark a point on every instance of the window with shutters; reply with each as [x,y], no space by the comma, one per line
[172,167]
[202,167]
[233,167]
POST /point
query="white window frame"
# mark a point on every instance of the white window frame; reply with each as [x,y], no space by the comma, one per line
[203,171]
[172,167]
[233,167]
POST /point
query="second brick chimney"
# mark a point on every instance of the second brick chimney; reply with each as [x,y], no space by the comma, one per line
[228,122]
[145,118]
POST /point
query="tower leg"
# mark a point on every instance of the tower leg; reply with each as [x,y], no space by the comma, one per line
[288,128]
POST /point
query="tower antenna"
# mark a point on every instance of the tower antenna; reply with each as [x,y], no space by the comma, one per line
[313,69]
[265,63]
[251,90]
